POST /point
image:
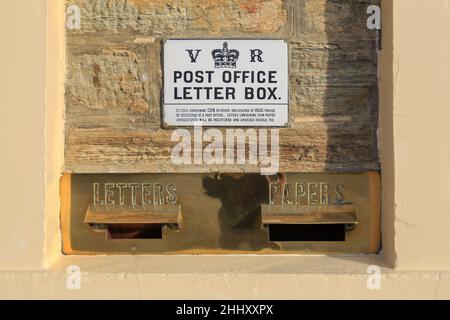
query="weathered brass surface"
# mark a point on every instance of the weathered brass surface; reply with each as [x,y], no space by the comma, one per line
[117,214]
[308,214]
[227,213]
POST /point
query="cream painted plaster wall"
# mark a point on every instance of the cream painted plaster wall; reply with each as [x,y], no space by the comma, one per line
[421,123]
[22,133]
[414,139]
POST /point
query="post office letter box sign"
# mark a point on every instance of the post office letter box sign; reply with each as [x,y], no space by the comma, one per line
[226,82]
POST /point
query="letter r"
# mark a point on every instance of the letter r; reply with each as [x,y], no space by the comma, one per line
[256,54]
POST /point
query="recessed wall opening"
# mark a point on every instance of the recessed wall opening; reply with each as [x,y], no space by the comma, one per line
[319,120]
[134,231]
[307,232]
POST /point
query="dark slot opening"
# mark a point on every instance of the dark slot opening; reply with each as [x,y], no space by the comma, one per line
[134,231]
[307,232]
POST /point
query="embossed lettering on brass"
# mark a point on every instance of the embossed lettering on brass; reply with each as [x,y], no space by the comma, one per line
[220,213]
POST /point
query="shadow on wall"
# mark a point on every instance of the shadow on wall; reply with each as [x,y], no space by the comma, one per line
[351,104]
[351,101]
[338,76]
[239,217]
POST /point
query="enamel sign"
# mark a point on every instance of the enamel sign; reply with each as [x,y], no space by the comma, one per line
[220,83]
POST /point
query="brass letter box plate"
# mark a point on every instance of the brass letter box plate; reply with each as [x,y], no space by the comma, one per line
[220,213]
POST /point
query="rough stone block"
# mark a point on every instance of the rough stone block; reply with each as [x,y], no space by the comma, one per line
[167,17]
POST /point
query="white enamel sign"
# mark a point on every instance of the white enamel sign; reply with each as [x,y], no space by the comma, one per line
[236,83]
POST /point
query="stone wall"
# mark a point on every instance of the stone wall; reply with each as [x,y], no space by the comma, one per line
[114,78]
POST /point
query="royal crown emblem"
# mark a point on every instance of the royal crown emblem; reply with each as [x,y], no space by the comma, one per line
[225,58]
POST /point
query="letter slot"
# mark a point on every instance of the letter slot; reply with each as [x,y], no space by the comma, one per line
[308,222]
[133,222]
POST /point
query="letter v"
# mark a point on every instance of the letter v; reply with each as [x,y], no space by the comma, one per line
[192,56]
